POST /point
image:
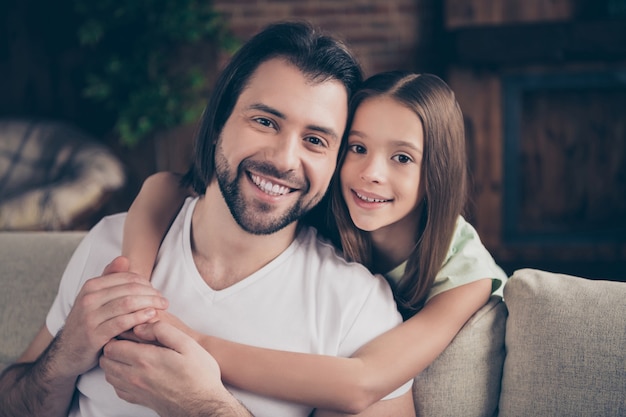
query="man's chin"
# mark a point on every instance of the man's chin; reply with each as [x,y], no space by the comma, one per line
[263,228]
[257,220]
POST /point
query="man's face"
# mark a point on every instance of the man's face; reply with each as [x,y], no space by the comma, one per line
[278,149]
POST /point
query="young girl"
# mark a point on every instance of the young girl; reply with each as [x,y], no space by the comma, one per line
[396,201]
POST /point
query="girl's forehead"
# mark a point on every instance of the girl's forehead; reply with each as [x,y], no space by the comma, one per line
[386,119]
[385,105]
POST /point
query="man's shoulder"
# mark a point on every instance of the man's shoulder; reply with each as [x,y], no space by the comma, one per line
[109,227]
[355,303]
[112,220]
[314,245]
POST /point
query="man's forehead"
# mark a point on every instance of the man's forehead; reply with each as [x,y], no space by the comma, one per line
[268,69]
[281,86]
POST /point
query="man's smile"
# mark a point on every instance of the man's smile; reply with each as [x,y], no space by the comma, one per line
[268,186]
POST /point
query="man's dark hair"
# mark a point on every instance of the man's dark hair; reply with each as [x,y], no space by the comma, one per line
[319,57]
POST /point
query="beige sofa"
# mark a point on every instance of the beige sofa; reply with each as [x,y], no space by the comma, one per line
[557,347]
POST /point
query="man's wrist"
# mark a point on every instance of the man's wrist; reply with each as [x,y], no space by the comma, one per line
[217,408]
[230,406]
[223,405]
[51,361]
[36,388]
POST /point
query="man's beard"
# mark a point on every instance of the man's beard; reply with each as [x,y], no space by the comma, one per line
[256,219]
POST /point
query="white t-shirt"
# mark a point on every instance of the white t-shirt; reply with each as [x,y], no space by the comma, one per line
[308,299]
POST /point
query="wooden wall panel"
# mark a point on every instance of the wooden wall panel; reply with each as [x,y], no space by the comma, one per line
[478,94]
[384,34]
[569,178]
[573,163]
[464,13]
[548,162]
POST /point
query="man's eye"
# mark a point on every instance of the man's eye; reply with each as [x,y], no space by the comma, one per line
[264,122]
[403,159]
[314,140]
[357,149]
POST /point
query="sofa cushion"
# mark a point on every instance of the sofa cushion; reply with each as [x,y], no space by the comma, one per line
[53,176]
[465,379]
[566,346]
[32,265]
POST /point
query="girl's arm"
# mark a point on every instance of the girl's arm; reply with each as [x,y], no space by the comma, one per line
[149,218]
[352,384]
[326,382]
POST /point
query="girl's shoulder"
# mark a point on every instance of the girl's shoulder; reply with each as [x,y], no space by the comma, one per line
[467,260]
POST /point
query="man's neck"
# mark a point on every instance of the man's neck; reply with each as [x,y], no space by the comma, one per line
[223,252]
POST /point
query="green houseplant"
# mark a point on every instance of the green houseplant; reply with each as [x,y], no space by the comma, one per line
[149,62]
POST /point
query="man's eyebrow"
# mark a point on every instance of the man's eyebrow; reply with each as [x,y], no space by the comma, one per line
[271,110]
[267,109]
[325,131]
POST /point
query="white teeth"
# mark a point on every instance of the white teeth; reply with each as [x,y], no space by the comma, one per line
[268,187]
[370,200]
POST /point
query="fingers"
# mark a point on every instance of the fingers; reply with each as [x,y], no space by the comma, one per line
[129,335]
[119,301]
[166,335]
[134,337]
[139,373]
[141,333]
[118,370]
[112,304]
[105,307]
[117,355]
[123,280]
[119,264]
[123,323]
[145,331]
[115,295]
[142,373]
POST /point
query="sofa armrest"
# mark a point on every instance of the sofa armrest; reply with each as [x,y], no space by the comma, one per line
[465,379]
[566,346]
[32,265]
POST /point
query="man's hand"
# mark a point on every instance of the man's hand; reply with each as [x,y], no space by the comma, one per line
[175,376]
[161,315]
[105,307]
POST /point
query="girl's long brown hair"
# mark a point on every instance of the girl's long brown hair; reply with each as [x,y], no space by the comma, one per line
[444,171]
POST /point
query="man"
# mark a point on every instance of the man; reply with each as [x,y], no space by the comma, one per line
[235,262]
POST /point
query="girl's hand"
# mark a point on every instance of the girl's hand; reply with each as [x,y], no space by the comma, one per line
[139,334]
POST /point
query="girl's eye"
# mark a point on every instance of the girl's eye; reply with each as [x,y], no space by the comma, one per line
[264,121]
[357,148]
[403,159]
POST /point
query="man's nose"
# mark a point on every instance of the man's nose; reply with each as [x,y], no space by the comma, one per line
[285,152]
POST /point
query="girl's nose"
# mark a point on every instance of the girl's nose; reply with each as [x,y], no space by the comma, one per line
[373,170]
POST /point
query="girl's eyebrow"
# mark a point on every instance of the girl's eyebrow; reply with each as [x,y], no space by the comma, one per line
[406,144]
[395,143]
[356,133]
[271,110]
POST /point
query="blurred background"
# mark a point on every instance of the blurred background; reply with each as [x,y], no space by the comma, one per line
[97,95]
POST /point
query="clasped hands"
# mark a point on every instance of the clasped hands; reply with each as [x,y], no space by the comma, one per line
[119,321]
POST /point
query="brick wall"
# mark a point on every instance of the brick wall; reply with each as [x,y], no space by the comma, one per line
[384,34]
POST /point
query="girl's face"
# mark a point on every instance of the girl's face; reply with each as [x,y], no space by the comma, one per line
[381,174]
